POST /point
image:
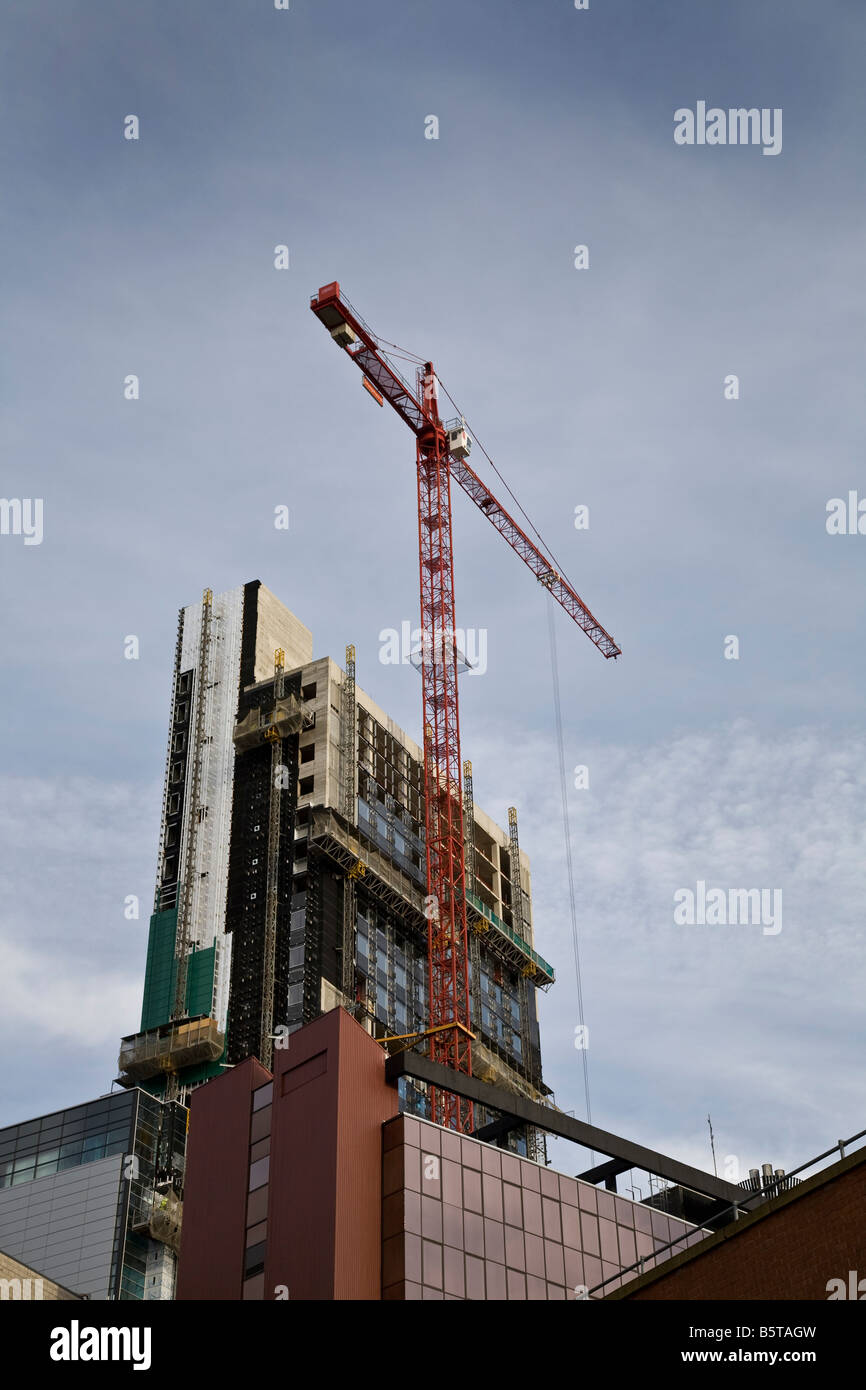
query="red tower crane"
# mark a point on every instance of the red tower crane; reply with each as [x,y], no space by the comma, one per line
[441,455]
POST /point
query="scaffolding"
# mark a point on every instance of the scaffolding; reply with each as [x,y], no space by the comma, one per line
[195,816]
[169,1048]
[469,826]
[348,738]
[348,765]
[165,897]
[514,866]
[272,734]
[536,1144]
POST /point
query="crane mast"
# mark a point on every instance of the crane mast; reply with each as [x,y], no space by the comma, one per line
[447,959]
[441,454]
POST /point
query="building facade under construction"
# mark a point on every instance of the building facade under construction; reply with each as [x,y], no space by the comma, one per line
[292,873]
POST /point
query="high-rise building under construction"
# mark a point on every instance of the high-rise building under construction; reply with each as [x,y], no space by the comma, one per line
[291,873]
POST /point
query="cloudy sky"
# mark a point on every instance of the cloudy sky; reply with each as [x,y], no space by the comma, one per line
[602,387]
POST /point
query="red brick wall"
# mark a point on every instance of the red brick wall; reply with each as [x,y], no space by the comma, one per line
[809,1236]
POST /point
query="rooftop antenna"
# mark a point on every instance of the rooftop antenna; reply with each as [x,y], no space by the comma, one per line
[713,1146]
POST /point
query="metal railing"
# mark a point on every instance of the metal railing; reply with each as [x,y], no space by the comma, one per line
[516,940]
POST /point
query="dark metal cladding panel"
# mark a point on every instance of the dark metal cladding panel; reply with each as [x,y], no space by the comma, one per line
[323,939]
[248,633]
[246,902]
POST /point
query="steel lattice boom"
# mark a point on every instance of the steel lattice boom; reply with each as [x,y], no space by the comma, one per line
[441,457]
[447,964]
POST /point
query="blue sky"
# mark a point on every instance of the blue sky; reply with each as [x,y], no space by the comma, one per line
[602,387]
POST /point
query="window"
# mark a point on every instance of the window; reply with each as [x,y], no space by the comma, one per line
[254,1261]
[174,803]
[305,786]
[263,1095]
[309,692]
[179,743]
[308,753]
[184,683]
[177,772]
[94,1147]
[259,1173]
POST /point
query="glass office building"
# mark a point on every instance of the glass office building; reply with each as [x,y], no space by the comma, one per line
[91,1196]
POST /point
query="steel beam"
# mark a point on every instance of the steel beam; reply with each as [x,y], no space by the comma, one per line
[529,1112]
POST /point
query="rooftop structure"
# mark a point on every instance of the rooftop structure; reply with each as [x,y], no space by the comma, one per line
[325,1191]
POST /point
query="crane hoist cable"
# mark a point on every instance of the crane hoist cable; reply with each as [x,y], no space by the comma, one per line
[523,513]
[566,827]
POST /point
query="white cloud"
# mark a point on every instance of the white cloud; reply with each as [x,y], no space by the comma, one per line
[71,964]
[758,1030]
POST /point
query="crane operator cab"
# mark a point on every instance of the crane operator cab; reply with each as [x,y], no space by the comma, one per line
[459,443]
